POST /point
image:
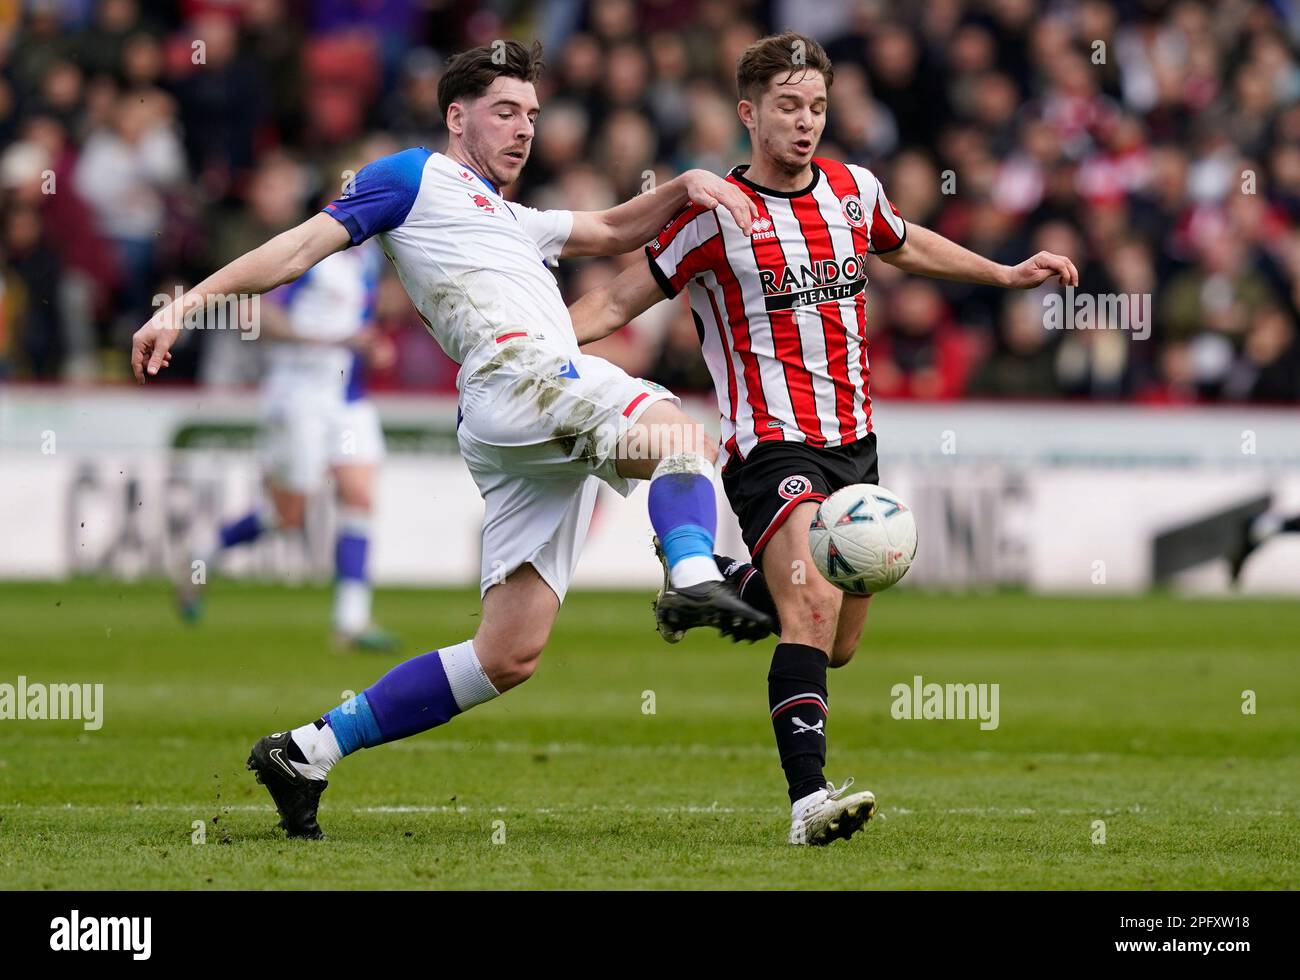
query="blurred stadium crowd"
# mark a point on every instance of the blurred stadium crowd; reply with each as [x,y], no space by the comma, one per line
[1158,144]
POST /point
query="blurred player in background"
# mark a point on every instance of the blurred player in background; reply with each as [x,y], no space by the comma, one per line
[781,315]
[540,424]
[318,423]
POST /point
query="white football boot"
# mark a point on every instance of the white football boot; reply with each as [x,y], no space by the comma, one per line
[829,814]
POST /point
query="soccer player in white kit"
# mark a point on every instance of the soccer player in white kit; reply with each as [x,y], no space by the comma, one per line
[539,422]
[317,422]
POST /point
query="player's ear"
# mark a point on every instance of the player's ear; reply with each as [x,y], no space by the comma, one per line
[456,118]
[745,109]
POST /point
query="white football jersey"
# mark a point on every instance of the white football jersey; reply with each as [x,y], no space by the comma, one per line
[331,302]
[474,264]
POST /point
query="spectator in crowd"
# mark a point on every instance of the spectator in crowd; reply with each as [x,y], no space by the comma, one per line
[1023,364]
[126,169]
[921,353]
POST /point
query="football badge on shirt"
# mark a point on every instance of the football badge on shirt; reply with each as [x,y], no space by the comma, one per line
[483,203]
[854,213]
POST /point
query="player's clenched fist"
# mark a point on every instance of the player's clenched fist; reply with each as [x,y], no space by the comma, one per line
[711,191]
[1041,267]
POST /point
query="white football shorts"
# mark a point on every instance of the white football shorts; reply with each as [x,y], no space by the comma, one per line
[305,434]
[539,430]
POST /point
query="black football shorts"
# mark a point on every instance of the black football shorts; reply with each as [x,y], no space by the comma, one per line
[776,477]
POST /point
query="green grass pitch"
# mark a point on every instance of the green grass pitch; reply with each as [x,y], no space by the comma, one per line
[1125,711]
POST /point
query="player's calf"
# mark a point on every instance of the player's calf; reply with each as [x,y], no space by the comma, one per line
[809,608]
[419,694]
[848,632]
[516,625]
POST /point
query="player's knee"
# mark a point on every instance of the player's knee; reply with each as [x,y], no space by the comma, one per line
[291,514]
[511,660]
[810,616]
[356,498]
[519,665]
[705,446]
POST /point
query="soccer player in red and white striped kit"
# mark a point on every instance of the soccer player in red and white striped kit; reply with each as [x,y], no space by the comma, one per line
[781,316]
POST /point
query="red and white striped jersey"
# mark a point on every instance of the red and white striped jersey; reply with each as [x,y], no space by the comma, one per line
[781,313]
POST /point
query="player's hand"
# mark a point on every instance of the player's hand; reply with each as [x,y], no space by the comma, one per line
[151,347]
[376,347]
[711,191]
[1037,270]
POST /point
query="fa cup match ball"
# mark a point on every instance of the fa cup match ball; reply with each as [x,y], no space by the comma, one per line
[863,539]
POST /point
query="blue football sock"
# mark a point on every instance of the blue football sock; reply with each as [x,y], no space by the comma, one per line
[684,512]
[422,693]
[247,528]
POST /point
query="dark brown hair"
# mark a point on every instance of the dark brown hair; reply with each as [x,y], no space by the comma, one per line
[787,54]
[471,72]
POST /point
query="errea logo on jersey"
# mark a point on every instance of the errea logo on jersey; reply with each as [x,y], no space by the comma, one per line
[761,229]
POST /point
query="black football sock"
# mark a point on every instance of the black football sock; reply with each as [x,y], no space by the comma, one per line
[751,585]
[796,692]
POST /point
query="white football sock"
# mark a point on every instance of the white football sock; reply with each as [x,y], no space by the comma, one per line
[352,601]
[352,596]
[319,746]
[466,677]
[694,570]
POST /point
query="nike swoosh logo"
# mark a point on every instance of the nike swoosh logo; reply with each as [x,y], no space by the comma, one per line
[275,757]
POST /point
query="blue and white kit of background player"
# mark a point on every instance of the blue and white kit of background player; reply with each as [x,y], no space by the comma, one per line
[315,416]
[538,419]
[315,413]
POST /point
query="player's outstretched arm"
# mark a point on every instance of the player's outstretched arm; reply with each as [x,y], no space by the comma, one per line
[283,259]
[928,253]
[612,306]
[633,223]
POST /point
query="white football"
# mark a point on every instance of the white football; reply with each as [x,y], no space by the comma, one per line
[863,538]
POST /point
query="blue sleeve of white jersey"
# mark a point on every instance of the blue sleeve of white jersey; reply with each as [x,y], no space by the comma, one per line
[382,194]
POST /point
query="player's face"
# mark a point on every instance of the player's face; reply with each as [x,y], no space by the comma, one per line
[498,129]
[786,122]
